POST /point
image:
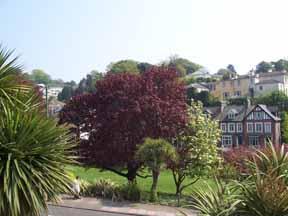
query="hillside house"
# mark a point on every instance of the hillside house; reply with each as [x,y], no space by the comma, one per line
[248,125]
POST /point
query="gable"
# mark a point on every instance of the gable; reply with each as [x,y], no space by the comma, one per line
[260,112]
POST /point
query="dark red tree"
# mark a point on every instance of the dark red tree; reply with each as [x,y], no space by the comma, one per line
[124,110]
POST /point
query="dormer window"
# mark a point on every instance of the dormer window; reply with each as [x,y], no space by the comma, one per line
[232,114]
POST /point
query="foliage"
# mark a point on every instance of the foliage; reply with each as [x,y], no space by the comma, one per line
[196,146]
[102,188]
[40,77]
[66,93]
[183,66]
[273,99]
[267,193]
[205,97]
[31,162]
[124,66]
[280,65]
[238,101]
[237,158]
[124,110]
[153,154]
[284,127]
[264,67]
[131,192]
[219,201]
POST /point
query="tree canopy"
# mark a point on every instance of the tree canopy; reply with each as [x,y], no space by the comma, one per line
[124,110]
[124,66]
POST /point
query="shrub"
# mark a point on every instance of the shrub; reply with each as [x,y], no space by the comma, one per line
[238,157]
[131,192]
[268,195]
[218,201]
[102,188]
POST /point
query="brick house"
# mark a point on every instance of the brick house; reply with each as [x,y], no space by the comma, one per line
[247,125]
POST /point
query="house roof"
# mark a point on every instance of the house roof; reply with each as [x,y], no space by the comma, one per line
[197,85]
[268,82]
[240,112]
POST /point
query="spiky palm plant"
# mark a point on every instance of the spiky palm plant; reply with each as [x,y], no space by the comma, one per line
[215,201]
[33,149]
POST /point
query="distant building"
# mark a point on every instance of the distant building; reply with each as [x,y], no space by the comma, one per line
[198,87]
[251,126]
[233,88]
[201,73]
[250,85]
[54,91]
[54,107]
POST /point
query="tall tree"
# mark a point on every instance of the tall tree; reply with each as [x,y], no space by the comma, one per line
[124,66]
[197,148]
[40,77]
[264,67]
[124,110]
[182,65]
[280,65]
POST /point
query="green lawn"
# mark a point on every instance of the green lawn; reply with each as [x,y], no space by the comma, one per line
[166,186]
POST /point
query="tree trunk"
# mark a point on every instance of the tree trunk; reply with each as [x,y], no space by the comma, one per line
[153,195]
[132,172]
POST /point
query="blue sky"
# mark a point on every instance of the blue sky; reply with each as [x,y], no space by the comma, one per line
[69,38]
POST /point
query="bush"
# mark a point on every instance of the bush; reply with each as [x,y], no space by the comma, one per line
[268,195]
[102,188]
[238,158]
[218,201]
[131,192]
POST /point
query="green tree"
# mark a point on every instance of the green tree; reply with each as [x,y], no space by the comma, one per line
[284,127]
[40,77]
[280,65]
[264,67]
[182,65]
[123,66]
[153,154]
[205,97]
[33,149]
[274,98]
[196,147]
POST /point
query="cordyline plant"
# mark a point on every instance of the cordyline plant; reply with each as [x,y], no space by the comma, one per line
[124,110]
[197,148]
[33,150]
[153,154]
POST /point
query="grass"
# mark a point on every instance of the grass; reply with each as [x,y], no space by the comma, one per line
[166,186]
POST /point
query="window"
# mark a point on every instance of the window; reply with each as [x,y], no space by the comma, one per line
[237,93]
[258,115]
[260,88]
[239,127]
[254,141]
[267,127]
[239,82]
[266,116]
[258,127]
[226,141]
[231,127]
[232,113]
[223,127]
[250,117]
[239,140]
[226,94]
[249,127]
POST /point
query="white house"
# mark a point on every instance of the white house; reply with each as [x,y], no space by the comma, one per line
[201,73]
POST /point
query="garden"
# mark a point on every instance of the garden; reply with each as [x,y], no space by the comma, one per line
[144,144]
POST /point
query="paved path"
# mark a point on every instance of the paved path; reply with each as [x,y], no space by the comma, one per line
[64,211]
[93,206]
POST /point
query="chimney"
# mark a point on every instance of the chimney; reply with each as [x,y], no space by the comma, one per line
[222,106]
[248,102]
